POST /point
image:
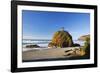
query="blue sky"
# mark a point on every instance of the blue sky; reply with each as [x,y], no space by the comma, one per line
[43,24]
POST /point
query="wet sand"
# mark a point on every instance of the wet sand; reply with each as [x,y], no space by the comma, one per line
[47,53]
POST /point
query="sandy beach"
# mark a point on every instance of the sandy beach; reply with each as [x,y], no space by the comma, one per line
[46,53]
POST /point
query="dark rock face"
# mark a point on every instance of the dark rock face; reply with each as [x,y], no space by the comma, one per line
[61,39]
[32,46]
[75,45]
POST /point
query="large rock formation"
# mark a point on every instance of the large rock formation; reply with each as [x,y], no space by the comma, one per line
[61,39]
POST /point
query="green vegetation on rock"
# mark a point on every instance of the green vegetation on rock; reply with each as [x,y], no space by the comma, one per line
[86,46]
[61,39]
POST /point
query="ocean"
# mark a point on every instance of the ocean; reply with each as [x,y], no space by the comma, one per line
[43,43]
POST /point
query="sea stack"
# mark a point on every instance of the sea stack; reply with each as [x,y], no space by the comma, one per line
[61,39]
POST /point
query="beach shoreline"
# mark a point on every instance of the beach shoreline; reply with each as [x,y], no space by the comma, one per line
[48,53]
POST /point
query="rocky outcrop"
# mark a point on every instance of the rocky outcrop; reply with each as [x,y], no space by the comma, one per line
[75,45]
[61,39]
[84,37]
[86,46]
[32,46]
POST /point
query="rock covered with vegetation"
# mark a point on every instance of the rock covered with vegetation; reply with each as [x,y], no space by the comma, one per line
[86,46]
[61,39]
